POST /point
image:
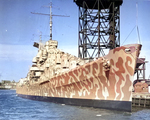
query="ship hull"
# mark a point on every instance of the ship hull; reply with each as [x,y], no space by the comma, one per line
[104,104]
[102,83]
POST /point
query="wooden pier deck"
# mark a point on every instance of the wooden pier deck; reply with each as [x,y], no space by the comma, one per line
[141,100]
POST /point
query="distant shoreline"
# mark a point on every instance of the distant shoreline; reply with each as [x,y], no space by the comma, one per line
[6,89]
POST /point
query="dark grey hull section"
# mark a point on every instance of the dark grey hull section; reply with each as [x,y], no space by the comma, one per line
[105,104]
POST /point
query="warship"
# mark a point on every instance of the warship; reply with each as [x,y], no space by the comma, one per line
[104,82]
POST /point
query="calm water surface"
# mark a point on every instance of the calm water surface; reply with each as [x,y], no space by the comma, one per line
[16,108]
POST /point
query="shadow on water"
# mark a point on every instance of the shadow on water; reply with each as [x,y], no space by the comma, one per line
[136,109]
[14,107]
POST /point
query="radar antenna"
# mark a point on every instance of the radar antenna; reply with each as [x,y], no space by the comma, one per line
[50,18]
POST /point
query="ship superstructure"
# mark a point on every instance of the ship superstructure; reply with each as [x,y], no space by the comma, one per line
[50,62]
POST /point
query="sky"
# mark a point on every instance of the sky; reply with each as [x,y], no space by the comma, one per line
[19,29]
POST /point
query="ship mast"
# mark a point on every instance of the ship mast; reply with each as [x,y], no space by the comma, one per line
[50,18]
[50,21]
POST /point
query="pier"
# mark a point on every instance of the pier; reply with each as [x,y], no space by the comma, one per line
[141,100]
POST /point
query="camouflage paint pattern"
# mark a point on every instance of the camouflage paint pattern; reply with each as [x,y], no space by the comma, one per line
[107,78]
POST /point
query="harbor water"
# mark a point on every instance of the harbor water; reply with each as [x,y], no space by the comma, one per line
[13,107]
